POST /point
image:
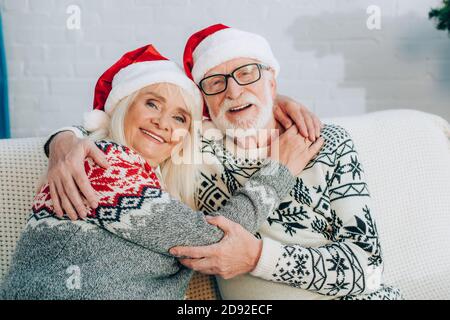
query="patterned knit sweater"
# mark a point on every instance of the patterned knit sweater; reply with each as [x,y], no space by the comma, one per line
[120,251]
[321,242]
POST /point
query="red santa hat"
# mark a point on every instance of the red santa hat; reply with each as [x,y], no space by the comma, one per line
[135,70]
[218,43]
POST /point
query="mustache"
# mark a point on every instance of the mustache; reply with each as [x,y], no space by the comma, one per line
[247,98]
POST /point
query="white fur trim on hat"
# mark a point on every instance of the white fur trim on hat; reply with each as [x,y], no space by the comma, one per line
[228,44]
[141,74]
[95,120]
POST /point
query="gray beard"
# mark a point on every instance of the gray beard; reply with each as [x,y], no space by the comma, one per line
[246,128]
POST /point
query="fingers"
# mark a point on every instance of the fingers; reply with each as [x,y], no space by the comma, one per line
[193,252]
[188,263]
[55,199]
[69,185]
[292,131]
[282,118]
[317,124]
[86,189]
[274,136]
[307,142]
[310,125]
[83,187]
[74,197]
[201,265]
[316,146]
[97,155]
[294,111]
[301,143]
[223,223]
[66,205]
[299,121]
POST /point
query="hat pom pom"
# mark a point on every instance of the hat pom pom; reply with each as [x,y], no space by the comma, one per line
[96,120]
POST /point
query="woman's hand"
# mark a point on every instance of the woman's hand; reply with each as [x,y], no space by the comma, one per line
[293,150]
[288,111]
[70,188]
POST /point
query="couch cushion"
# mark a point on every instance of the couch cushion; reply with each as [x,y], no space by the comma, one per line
[406,157]
[22,163]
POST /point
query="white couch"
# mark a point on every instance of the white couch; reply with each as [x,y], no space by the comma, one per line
[406,157]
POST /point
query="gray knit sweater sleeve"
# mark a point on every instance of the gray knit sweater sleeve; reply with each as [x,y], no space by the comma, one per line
[146,215]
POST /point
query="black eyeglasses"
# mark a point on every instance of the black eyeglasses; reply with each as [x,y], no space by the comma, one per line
[244,75]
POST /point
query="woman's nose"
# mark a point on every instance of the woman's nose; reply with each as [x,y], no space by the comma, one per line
[161,122]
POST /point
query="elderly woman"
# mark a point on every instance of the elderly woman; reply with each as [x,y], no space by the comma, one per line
[145,108]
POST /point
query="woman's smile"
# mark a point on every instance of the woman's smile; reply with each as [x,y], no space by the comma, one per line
[157,113]
[153,136]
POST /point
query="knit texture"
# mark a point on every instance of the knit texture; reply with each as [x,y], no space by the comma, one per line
[321,242]
[120,251]
[405,155]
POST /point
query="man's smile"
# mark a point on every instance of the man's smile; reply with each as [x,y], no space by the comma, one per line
[240,108]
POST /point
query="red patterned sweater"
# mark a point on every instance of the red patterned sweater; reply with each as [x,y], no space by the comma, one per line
[120,251]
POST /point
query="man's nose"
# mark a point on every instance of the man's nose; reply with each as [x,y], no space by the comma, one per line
[234,90]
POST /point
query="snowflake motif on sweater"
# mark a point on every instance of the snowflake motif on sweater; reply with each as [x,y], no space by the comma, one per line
[322,238]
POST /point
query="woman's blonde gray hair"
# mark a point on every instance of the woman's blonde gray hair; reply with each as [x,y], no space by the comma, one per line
[179,179]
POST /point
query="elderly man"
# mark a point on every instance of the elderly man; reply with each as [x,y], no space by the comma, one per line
[322,241]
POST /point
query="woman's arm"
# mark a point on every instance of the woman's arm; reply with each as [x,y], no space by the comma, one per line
[66,150]
[351,263]
[133,206]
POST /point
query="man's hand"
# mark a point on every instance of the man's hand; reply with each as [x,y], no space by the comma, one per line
[70,189]
[237,253]
[287,111]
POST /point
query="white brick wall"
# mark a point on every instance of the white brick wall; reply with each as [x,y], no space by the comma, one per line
[330,60]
